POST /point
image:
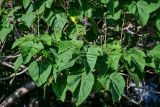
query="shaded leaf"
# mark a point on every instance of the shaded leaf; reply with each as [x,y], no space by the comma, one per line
[39,71]
[87,81]
[59,88]
[114,83]
[158,24]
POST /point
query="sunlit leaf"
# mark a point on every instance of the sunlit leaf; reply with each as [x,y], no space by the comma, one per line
[26,3]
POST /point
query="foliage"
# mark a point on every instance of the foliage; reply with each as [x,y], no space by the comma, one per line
[73,44]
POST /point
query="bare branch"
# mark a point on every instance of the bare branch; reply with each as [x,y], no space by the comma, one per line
[18,93]
[10,65]
[131,100]
[14,74]
[4,58]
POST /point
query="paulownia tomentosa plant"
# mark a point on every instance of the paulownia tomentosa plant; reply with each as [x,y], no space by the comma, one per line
[60,50]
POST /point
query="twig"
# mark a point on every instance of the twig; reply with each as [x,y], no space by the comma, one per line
[38,25]
[105,31]
[123,74]
[132,33]
[131,100]
[3,58]
[2,46]
[8,64]
[156,92]
[18,93]
[14,74]
[122,27]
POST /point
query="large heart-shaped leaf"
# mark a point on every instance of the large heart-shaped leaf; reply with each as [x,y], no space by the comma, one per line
[140,10]
[81,83]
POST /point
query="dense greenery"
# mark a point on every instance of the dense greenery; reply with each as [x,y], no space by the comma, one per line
[82,45]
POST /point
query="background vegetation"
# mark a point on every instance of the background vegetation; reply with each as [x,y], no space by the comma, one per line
[80,52]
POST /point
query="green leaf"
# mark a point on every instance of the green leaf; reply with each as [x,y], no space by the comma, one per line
[150,62]
[143,12]
[80,2]
[39,71]
[135,64]
[60,88]
[158,24]
[69,45]
[49,3]
[18,63]
[85,87]
[114,53]
[138,58]
[69,49]
[28,17]
[73,82]
[116,15]
[135,74]
[77,31]
[5,31]
[59,23]
[47,39]
[114,83]
[29,49]
[140,10]
[49,18]
[113,60]
[153,7]
[105,1]
[111,8]
[22,40]
[26,3]
[88,13]
[91,57]
[155,52]
[65,60]
[132,8]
